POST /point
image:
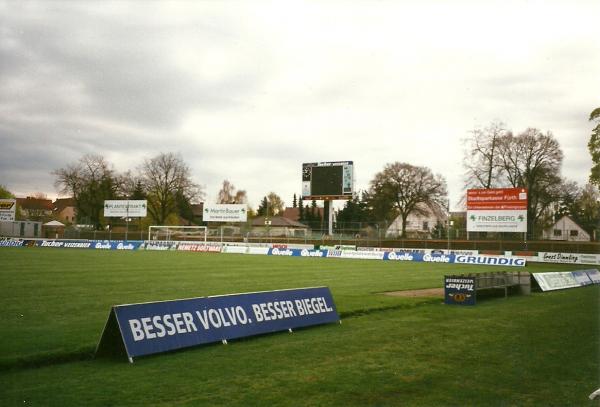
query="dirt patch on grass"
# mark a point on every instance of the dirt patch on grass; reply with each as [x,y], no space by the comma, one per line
[427,292]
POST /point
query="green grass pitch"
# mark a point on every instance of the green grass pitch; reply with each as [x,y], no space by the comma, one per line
[536,350]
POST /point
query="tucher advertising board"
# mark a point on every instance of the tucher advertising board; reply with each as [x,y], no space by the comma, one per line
[459,290]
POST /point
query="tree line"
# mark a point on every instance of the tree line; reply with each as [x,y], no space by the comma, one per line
[165,181]
[494,157]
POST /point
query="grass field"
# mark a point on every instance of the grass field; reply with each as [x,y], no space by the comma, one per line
[536,350]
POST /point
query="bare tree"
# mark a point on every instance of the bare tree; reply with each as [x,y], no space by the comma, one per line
[532,160]
[481,160]
[403,189]
[167,180]
[228,194]
[89,181]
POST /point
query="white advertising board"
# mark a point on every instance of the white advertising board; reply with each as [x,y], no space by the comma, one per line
[556,281]
[8,208]
[224,213]
[497,221]
[497,210]
[125,208]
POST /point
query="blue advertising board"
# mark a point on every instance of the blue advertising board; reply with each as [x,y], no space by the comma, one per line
[12,242]
[275,251]
[419,257]
[116,244]
[459,290]
[157,327]
[92,244]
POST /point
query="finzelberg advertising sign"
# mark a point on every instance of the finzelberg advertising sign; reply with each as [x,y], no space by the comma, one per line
[497,210]
[126,208]
[224,213]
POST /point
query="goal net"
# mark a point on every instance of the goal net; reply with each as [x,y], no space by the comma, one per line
[177,233]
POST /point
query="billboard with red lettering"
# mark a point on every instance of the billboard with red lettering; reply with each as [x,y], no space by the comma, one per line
[497,210]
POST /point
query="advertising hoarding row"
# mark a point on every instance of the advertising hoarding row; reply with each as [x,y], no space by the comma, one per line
[428,256]
[91,244]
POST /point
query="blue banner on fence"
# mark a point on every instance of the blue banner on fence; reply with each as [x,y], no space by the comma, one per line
[163,326]
[92,244]
[420,257]
[116,245]
[12,243]
[297,252]
[72,244]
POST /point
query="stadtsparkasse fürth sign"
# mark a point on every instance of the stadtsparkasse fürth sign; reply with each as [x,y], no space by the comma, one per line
[497,210]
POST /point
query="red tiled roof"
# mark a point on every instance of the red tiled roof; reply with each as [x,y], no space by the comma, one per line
[62,203]
[30,203]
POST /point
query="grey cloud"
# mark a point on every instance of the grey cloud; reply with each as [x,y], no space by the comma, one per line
[119,65]
[75,81]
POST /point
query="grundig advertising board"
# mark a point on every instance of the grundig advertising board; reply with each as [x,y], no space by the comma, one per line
[497,210]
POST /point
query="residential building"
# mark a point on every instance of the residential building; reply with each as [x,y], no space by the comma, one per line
[65,210]
[35,209]
[277,226]
[419,224]
[294,213]
[566,229]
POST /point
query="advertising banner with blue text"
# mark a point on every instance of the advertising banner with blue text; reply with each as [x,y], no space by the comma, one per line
[163,326]
[483,260]
[420,257]
[10,242]
[459,290]
[297,252]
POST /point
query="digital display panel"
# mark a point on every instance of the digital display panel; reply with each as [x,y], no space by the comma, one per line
[327,180]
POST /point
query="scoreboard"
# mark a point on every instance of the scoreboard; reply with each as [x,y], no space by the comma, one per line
[328,180]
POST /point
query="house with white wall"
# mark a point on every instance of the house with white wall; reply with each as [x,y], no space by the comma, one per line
[419,224]
[566,229]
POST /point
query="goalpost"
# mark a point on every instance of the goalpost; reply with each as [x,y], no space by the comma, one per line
[177,233]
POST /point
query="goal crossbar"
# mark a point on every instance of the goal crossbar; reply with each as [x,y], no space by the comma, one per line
[173,231]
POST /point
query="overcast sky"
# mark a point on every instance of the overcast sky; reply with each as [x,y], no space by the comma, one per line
[248,91]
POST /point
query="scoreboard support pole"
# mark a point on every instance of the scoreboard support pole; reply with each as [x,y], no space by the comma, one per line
[329,208]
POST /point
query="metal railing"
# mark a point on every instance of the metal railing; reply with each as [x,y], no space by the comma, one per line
[367,236]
